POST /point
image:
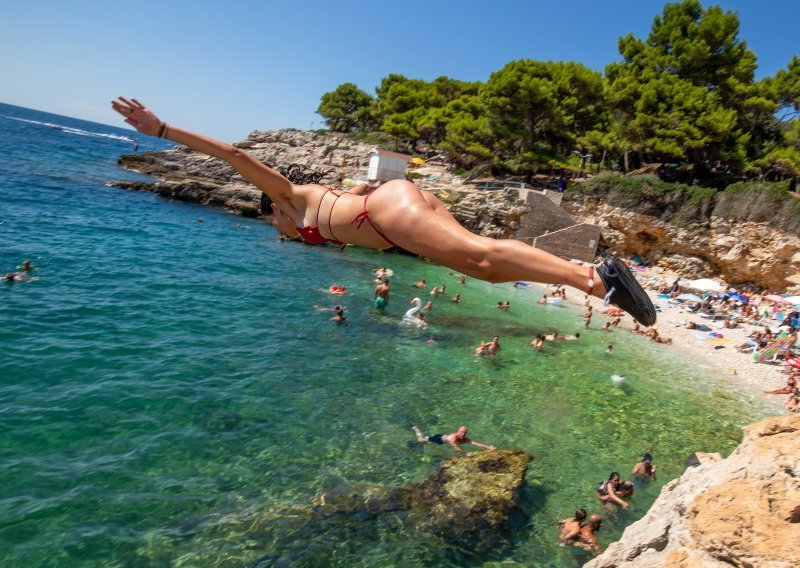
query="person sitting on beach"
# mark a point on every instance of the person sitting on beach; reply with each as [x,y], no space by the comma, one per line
[457,298]
[382,294]
[613,490]
[399,214]
[793,401]
[454,439]
[571,527]
[616,321]
[588,538]
[645,467]
[419,284]
[653,335]
[791,384]
[493,346]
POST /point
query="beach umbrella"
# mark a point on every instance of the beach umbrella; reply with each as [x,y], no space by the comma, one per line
[776,299]
[738,297]
[705,285]
[689,298]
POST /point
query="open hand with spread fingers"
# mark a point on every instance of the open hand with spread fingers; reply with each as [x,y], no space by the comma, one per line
[139,116]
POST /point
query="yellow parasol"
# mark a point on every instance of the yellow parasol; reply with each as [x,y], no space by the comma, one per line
[417,161]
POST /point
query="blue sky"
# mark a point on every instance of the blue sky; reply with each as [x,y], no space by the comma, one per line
[226,68]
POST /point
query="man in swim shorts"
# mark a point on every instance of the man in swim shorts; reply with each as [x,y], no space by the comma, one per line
[454,439]
[382,294]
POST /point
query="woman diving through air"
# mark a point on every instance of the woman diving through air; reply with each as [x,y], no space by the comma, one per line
[397,213]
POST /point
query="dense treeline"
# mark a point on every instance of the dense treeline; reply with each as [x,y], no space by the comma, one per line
[686,95]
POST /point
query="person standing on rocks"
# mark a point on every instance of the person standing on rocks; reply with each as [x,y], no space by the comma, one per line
[399,214]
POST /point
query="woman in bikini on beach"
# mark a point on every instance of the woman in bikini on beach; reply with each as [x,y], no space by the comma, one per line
[399,214]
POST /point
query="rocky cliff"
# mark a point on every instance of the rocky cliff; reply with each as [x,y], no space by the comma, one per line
[738,252]
[740,511]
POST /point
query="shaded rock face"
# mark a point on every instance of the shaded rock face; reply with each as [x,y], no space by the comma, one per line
[740,511]
[740,252]
[467,501]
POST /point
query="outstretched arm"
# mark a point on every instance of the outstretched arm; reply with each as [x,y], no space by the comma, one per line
[277,187]
[474,443]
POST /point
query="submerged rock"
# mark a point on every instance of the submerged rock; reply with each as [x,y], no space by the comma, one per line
[740,511]
[467,501]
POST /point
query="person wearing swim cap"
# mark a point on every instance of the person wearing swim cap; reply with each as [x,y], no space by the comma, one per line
[645,467]
[454,439]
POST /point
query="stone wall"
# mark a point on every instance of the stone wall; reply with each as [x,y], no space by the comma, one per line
[543,215]
[578,241]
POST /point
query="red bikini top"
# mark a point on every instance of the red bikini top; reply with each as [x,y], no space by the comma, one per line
[312,236]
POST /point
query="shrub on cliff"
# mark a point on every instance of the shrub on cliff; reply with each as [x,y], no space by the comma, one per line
[671,202]
[686,205]
[760,202]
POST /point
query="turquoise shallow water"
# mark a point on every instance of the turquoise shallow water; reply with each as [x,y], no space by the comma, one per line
[171,398]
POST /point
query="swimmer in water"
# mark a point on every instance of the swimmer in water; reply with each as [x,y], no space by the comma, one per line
[457,298]
[420,284]
[493,346]
[339,316]
[645,467]
[382,294]
[609,349]
[571,527]
[454,439]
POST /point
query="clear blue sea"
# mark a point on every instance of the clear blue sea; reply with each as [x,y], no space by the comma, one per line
[170,397]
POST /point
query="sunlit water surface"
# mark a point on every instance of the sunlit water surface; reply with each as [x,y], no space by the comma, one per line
[170,397]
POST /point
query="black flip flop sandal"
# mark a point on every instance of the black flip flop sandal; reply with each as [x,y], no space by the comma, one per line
[625,292]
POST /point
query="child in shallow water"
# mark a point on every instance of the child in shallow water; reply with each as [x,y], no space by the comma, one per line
[398,214]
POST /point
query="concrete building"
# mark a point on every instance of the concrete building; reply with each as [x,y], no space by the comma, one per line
[385,165]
